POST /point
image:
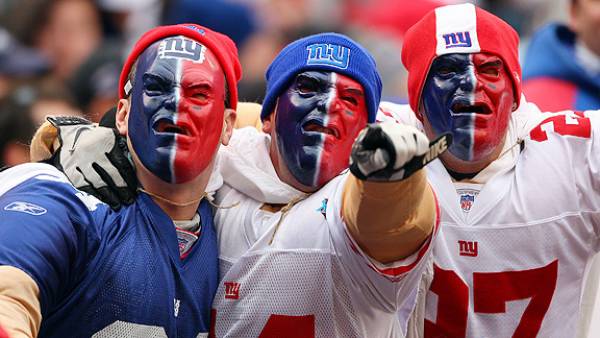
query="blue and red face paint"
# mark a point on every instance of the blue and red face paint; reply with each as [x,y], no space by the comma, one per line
[317,119]
[177,109]
[470,96]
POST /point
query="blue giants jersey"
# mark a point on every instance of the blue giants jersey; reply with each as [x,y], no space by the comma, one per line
[103,273]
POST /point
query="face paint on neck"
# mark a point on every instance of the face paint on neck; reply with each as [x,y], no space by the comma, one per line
[317,119]
[470,96]
[177,109]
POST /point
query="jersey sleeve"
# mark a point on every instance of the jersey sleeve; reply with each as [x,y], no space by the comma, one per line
[45,229]
[392,286]
[589,181]
[574,138]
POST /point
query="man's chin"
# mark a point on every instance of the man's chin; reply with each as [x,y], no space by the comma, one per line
[463,165]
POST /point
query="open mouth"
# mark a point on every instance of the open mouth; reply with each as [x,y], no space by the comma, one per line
[311,126]
[477,108]
[166,126]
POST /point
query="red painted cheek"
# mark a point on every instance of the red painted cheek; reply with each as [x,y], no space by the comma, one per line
[348,120]
[196,150]
[336,152]
[485,137]
[491,129]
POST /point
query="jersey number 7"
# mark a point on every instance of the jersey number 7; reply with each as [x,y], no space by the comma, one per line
[491,291]
[564,124]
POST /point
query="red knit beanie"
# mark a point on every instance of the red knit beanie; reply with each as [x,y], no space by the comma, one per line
[221,46]
[462,28]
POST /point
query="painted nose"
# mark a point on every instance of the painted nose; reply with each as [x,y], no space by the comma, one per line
[467,82]
[171,103]
[322,104]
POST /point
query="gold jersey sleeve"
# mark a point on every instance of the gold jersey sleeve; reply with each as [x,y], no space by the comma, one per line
[389,220]
[248,115]
[20,312]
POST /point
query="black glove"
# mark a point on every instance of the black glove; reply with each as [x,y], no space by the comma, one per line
[95,159]
[390,151]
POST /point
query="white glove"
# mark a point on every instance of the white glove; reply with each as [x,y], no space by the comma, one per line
[390,151]
[95,159]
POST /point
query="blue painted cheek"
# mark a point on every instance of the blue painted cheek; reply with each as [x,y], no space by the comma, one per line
[437,100]
[154,152]
[300,152]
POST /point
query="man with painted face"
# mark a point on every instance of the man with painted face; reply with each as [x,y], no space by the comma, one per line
[69,266]
[518,190]
[307,250]
[310,251]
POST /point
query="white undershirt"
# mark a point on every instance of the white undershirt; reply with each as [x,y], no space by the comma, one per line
[188,232]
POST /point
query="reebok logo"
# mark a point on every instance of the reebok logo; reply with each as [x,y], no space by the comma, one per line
[232,290]
[25,207]
[197,29]
[457,39]
[176,303]
[328,55]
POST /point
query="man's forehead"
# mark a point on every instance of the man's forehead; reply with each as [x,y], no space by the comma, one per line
[469,57]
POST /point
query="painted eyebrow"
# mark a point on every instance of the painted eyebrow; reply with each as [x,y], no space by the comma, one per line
[156,77]
[495,63]
[309,77]
[201,85]
[354,91]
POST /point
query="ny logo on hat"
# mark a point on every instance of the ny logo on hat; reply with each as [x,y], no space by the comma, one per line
[328,55]
[181,48]
[458,39]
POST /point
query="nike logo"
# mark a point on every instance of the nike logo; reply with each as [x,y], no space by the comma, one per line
[436,148]
[77,134]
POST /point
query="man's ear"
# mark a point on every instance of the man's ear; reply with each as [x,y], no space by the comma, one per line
[228,124]
[122,116]
[269,123]
[419,112]
[514,106]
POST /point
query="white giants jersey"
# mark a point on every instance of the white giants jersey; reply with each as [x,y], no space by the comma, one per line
[514,264]
[304,276]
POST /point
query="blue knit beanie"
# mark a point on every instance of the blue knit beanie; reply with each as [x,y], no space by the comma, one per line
[331,52]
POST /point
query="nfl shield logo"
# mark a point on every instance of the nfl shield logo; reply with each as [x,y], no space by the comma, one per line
[466,202]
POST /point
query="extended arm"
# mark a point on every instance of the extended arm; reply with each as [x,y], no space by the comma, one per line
[390,221]
[388,206]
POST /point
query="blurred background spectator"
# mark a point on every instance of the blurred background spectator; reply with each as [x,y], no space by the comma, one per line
[23,109]
[562,67]
[16,129]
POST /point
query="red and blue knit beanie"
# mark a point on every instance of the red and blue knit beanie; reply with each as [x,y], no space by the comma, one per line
[221,46]
[331,52]
[462,28]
